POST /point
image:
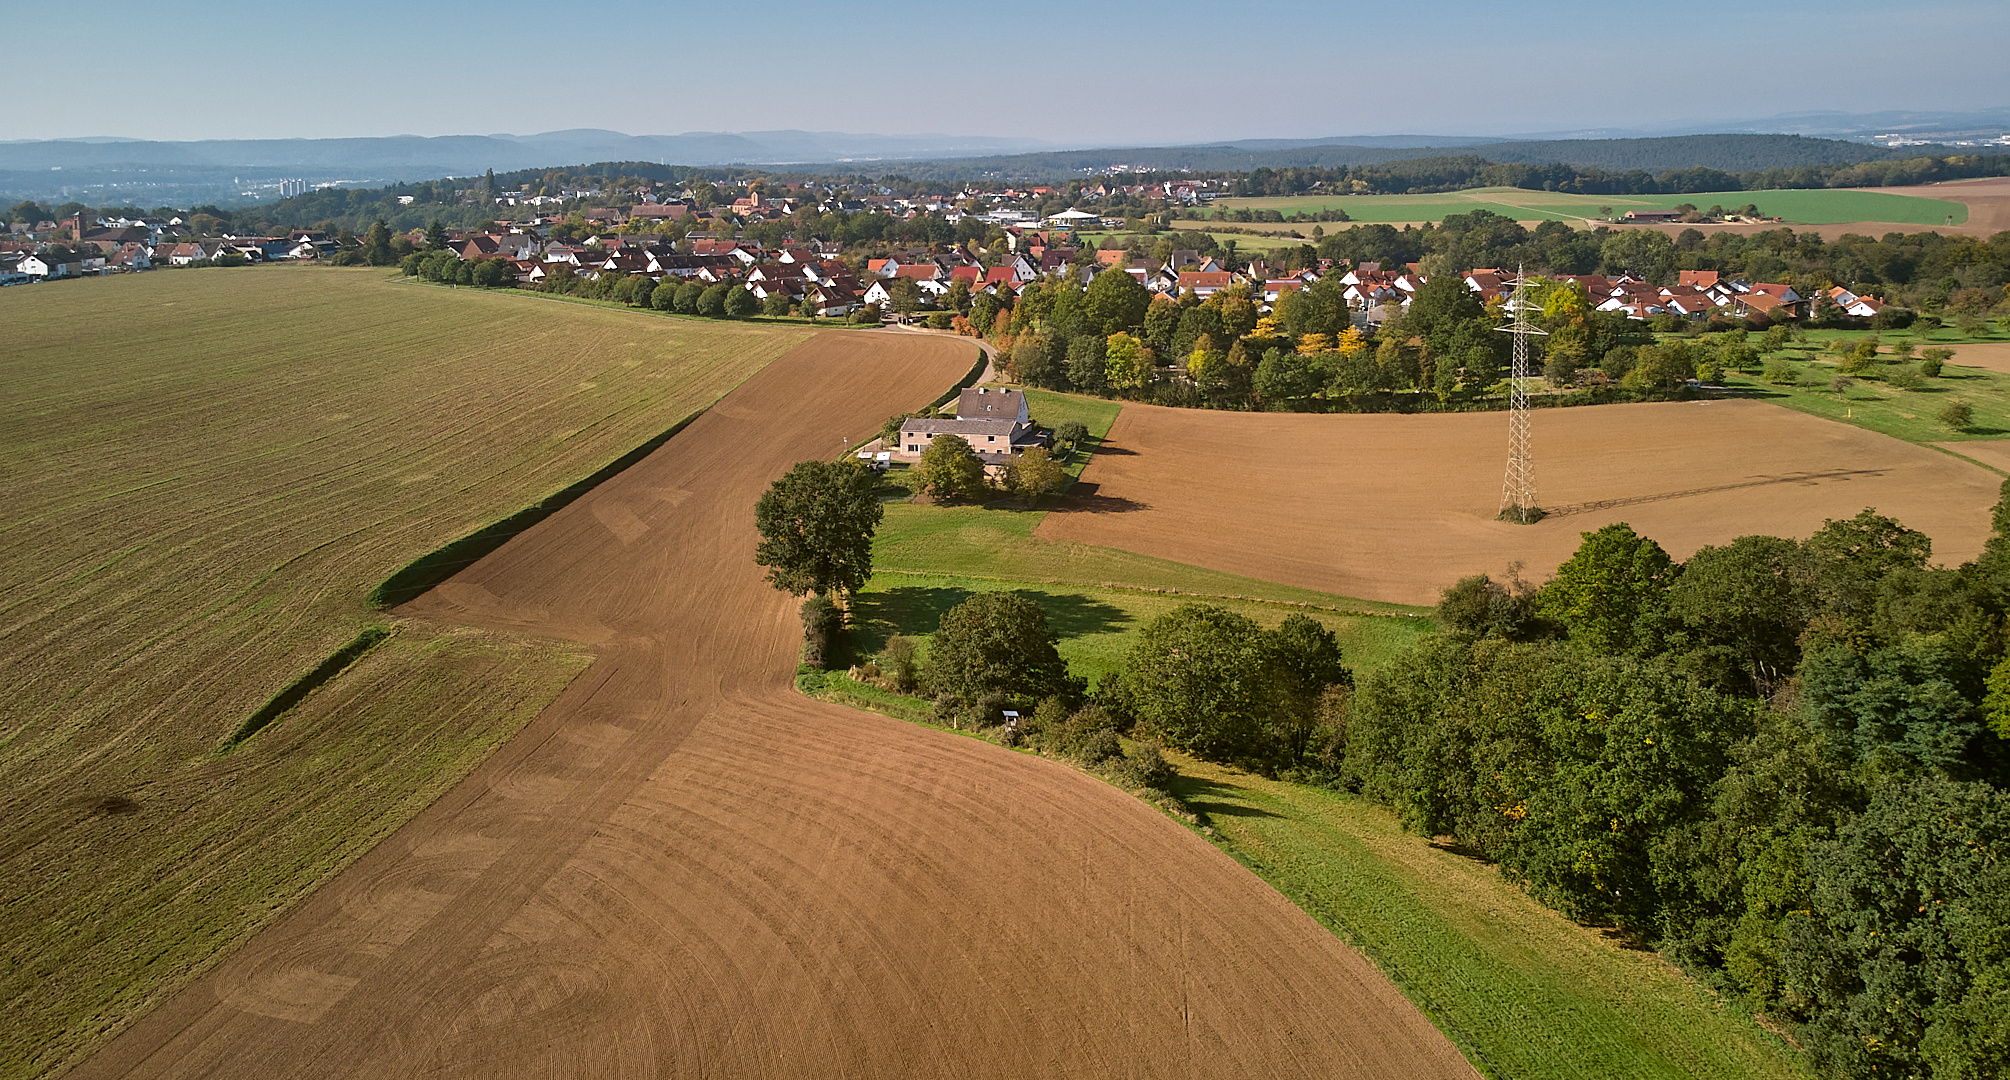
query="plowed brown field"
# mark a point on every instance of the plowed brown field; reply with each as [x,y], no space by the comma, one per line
[1395,508]
[683,868]
[1988,203]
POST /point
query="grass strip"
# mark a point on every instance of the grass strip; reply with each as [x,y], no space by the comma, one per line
[436,566]
[337,662]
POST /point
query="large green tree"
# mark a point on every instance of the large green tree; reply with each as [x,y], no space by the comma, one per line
[1904,959]
[949,469]
[1613,592]
[1116,302]
[816,525]
[1196,678]
[998,641]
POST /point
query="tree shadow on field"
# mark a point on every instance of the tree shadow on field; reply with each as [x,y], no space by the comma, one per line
[1211,799]
[1450,845]
[1104,449]
[1088,498]
[1074,615]
[909,609]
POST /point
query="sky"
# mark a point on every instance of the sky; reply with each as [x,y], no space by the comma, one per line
[1077,73]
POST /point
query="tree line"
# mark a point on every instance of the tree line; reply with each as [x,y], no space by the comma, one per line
[1785,765]
[1466,171]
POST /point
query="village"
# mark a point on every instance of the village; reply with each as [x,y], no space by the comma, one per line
[677,239]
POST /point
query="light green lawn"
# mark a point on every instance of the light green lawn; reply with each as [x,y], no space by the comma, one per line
[1869,401]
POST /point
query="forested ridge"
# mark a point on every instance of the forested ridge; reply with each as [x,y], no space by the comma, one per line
[1724,152]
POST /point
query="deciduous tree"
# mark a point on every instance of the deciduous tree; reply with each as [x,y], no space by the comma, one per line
[816,526]
[998,642]
[949,469]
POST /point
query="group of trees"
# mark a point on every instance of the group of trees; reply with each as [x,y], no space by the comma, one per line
[1215,684]
[446,267]
[1785,765]
[1200,678]
[950,469]
[1114,338]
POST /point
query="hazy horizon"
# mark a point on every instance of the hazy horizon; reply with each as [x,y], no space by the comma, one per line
[1169,73]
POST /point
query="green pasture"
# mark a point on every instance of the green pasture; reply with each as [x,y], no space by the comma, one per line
[1871,400]
[1799,207]
[1251,241]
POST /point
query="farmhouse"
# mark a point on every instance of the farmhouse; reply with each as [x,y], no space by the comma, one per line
[996,423]
[986,403]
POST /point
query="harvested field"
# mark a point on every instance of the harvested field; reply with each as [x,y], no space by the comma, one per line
[1994,453]
[1987,200]
[1988,355]
[1395,508]
[204,472]
[683,867]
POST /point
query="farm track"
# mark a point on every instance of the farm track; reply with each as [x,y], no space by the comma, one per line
[682,867]
[1395,508]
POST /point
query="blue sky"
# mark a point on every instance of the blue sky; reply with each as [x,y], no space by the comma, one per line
[1080,72]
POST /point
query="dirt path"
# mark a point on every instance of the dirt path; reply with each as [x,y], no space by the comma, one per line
[683,868]
[1387,507]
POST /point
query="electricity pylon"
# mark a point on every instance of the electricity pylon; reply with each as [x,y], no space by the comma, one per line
[1518,502]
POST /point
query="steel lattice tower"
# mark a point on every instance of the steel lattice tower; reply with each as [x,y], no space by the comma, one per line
[1518,502]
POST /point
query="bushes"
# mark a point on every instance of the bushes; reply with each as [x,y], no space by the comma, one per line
[823,628]
[1958,415]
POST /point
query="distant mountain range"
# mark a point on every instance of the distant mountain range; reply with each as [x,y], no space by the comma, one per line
[421,157]
[106,171]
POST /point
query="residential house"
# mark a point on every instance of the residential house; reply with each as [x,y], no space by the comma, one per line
[988,403]
[996,442]
[50,267]
[1278,288]
[660,211]
[1204,283]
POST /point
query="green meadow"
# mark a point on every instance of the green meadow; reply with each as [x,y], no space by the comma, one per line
[1798,207]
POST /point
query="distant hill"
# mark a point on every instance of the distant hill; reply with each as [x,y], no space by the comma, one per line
[107,172]
[1729,153]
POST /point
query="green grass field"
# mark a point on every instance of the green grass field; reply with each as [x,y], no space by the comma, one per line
[1870,401]
[1526,993]
[1810,207]
[203,474]
[1249,241]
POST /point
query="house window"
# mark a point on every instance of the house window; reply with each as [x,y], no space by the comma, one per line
[990,438]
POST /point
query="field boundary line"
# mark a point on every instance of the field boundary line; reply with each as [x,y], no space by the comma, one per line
[1155,591]
[1966,458]
[421,574]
